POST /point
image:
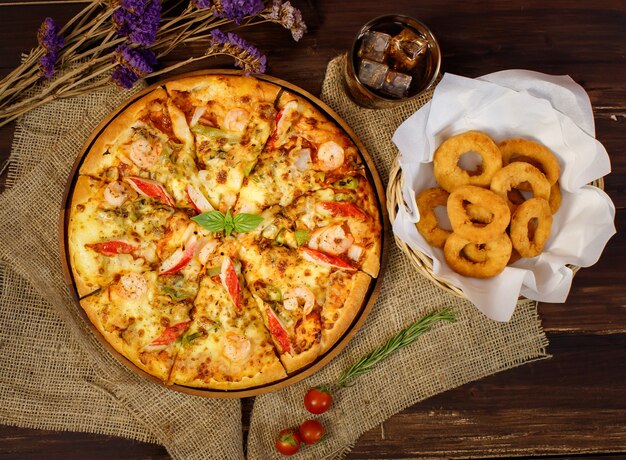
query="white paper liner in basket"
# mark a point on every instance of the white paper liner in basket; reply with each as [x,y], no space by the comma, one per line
[553,110]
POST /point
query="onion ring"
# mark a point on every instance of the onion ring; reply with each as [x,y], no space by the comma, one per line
[555,197]
[497,253]
[531,152]
[514,174]
[523,242]
[461,221]
[428,225]
[446,160]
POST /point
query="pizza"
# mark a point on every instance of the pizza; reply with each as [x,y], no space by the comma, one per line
[222,232]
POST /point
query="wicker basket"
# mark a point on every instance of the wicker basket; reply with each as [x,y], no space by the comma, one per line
[422,262]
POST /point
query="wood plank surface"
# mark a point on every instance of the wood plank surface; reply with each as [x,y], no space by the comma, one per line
[571,406]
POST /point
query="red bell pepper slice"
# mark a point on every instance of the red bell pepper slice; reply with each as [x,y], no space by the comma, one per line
[319,257]
[230,281]
[277,330]
[170,334]
[112,247]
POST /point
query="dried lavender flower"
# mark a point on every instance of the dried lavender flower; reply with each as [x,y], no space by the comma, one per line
[134,63]
[247,57]
[201,4]
[51,41]
[138,20]
[48,35]
[237,10]
[289,17]
[124,77]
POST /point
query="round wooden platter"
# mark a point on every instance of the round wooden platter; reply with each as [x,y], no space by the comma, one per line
[358,320]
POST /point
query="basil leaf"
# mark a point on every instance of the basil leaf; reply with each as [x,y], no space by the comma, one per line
[213,221]
[302,236]
[246,222]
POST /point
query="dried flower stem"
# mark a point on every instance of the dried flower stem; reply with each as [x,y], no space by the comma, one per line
[94,46]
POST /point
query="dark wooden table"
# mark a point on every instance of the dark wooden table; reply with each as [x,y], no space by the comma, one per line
[573,405]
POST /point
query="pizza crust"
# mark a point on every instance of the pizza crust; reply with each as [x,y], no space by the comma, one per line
[351,306]
[293,363]
[210,87]
[270,374]
[84,190]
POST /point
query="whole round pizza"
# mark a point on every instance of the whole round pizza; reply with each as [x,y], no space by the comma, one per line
[222,232]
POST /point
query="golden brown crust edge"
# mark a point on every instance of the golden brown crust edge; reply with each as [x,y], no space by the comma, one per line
[293,363]
[351,307]
[84,189]
[241,84]
[271,374]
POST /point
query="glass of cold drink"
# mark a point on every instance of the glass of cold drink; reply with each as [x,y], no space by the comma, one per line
[393,59]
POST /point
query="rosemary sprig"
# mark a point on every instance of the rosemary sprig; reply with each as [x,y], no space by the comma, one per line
[400,340]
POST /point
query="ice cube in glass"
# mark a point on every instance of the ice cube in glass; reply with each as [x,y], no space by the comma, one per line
[372,73]
[396,84]
[374,45]
[407,49]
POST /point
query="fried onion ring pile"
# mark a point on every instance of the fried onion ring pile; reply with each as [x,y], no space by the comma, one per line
[494,220]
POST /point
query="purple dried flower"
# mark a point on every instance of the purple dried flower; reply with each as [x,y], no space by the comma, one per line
[235,10]
[49,37]
[138,20]
[201,4]
[247,56]
[289,17]
[51,41]
[47,62]
[134,63]
[124,77]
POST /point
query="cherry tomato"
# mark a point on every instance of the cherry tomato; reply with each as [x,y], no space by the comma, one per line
[318,400]
[287,442]
[311,431]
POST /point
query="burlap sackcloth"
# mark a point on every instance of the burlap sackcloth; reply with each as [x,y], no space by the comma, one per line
[54,374]
[448,356]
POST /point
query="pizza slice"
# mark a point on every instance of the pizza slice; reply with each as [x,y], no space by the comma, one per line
[113,229]
[226,346]
[305,152]
[293,289]
[342,222]
[231,119]
[150,148]
[138,315]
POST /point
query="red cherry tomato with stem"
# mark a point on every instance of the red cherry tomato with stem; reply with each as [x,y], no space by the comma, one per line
[311,432]
[288,441]
[318,400]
